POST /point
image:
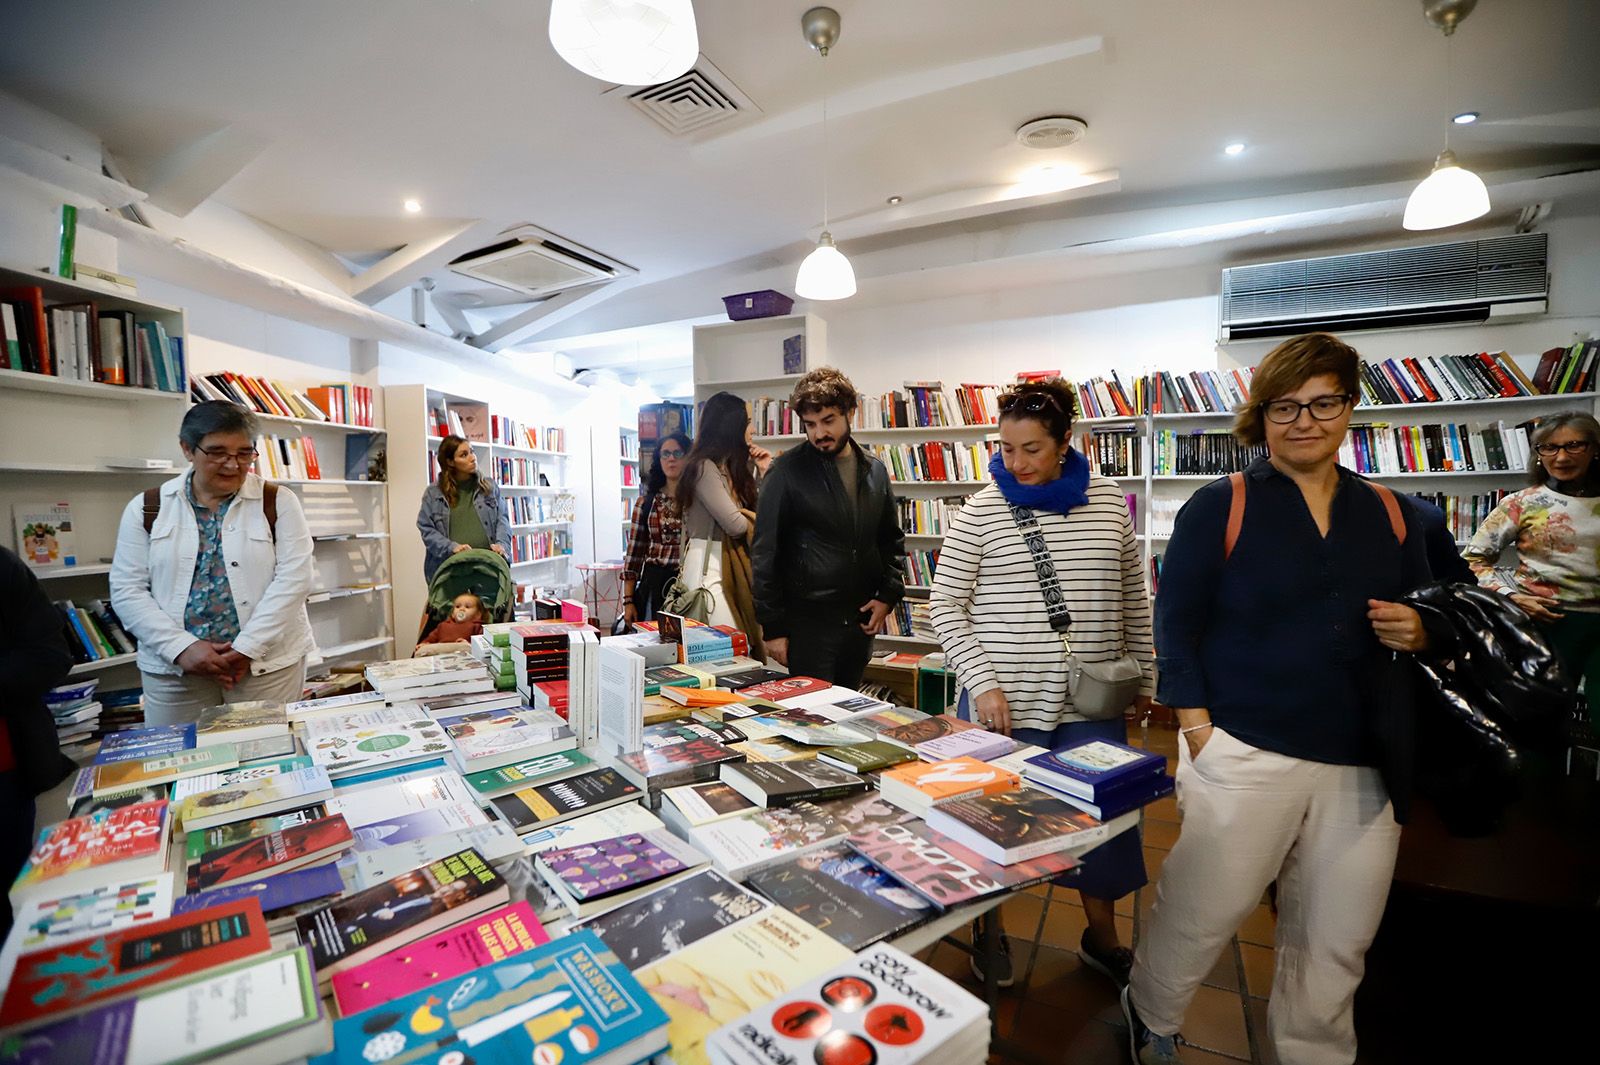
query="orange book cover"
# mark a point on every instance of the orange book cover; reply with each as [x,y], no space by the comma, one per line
[955,778]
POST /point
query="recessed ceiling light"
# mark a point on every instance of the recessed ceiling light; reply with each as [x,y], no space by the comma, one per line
[412,206]
[1236,148]
[895,201]
[1465,118]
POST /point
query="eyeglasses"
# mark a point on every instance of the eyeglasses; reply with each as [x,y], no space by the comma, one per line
[1323,409]
[221,456]
[670,455]
[1571,447]
[1031,402]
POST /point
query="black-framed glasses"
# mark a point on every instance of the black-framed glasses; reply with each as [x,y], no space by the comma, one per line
[221,455]
[1031,402]
[674,454]
[1571,447]
[1322,408]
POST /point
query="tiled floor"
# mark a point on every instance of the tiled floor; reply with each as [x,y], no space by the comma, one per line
[1061,1012]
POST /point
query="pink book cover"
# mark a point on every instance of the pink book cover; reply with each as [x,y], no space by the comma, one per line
[454,952]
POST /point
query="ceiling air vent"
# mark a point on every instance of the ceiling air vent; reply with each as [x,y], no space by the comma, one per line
[535,263]
[1436,284]
[695,102]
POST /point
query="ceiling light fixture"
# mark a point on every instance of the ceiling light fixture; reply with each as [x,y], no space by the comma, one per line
[1451,194]
[1465,118]
[825,274]
[626,42]
[1236,148]
[895,201]
[412,206]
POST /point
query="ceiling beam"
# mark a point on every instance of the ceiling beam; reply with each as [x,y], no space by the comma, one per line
[188,176]
[400,268]
[547,313]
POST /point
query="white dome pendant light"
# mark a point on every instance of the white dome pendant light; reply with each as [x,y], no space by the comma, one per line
[825,274]
[626,42]
[1451,194]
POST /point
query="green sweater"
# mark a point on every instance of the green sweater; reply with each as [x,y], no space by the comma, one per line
[465,525]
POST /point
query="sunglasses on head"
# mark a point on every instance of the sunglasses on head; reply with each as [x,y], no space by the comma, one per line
[1028,402]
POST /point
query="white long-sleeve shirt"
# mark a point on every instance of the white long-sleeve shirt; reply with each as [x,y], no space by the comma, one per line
[990,614]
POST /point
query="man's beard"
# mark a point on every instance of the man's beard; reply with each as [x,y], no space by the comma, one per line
[838,444]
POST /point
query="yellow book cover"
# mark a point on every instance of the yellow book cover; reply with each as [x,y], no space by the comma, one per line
[122,776]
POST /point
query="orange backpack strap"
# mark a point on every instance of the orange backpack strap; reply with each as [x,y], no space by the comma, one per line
[152,508]
[1397,520]
[1235,514]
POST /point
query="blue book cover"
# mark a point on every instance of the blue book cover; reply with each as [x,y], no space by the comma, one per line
[1112,804]
[569,1001]
[1097,764]
[276,892]
[386,772]
[141,743]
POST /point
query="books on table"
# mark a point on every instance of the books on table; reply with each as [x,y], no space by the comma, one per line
[367,924]
[869,757]
[881,1006]
[839,892]
[788,687]
[805,726]
[431,676]
[251,799]
[621,820]
[1093,769]
[241,723]
[198,841]
[311,843]
[531,772]
[944,872]
[488,938]
[1115,802]
[528,809]
[47,918]
[163,769]
[656,768]
[273,1014]
[692,805]
[449,705]
[920,786]
[333,704]
[283,896]
[495,840]
[141,743]
[673,916]
[598,876]
[82,853]
[489,739]
[227,778]
[355,742]
[772,784]
[1016,825]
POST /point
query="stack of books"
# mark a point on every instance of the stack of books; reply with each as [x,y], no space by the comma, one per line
[1103,778]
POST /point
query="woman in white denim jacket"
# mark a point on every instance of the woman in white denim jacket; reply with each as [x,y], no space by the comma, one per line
[211,582]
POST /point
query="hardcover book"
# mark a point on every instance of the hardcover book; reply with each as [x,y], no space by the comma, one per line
[369,923]
[944,872]
[81,853]
[122,963]
[596,876]
[492,937]
[842,894]
[545,769]
[312,843]
[769,784]
[1085,769]
[675,764]
[361,741]
[567,1002]
[138,773]
[252,799]
[531,808]
[671,917]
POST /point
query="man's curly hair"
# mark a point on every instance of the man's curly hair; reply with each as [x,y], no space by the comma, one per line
[823,387]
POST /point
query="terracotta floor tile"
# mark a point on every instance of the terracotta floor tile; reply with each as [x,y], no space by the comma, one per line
[1225,974]
[1047,1023]
[1155,859]
[1049,965]
[1215,1022]
[1163,810]
[1094,1044]
[1259,927]
[1259,963]
[1160,834]
[1020,916]
[951,962]
[1063,925]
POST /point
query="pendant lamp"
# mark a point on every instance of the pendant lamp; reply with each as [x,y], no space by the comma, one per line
[626,42]
[1451,194]
[825,274]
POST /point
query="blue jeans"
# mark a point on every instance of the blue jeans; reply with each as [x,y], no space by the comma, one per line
[1111,870]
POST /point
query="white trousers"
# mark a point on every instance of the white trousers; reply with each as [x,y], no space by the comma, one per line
[1327,834]
[179,700]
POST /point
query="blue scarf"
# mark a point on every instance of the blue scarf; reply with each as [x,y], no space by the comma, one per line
[1069,490]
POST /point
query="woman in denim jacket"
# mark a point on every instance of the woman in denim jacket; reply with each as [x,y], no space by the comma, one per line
[461,509]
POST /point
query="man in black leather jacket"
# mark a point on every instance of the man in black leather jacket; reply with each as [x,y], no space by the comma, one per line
[828,545]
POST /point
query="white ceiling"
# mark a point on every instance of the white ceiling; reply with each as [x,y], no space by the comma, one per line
[355,105]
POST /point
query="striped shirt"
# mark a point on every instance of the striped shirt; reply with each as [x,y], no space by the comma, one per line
[990,613]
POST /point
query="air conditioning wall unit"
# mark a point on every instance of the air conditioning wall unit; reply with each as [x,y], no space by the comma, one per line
[538,264]
[1462,282]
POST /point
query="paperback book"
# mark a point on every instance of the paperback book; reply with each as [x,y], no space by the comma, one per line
[312,843]
[199,842]
[786,688]
[923,785]
[143,772]
[361,741]
[241,723]
[253,799]
[529,773]
[839,892]
[488,739]
[228,778]
[590,828]
[653,769]
[598,876]
[944,872]
[137,744]
[1016,825]
[771,784]
[870,757]
[687,808]
[367,868]
[48,919]
[81,853]
[665,921]
[530,808]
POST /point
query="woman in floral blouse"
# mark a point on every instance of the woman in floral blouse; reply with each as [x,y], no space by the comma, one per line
[654,537]
[1555,527]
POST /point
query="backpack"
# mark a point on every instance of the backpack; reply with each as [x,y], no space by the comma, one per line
[1397,520]
[269,503]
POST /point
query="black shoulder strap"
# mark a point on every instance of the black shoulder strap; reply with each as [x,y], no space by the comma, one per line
[1055,603]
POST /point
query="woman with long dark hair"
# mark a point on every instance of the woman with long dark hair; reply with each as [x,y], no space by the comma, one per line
[717,497]
[655,543]
[1555,526]
[461,510]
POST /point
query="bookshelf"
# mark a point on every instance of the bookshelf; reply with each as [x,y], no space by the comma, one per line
[746,358]
[633,472]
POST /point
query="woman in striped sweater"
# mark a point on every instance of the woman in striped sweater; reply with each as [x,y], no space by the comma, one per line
[990,615]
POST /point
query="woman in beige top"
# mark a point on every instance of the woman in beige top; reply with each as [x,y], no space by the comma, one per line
[717,495]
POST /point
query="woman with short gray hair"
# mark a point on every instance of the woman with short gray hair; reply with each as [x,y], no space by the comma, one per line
[211,575]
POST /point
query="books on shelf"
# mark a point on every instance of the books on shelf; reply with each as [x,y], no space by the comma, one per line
[80,341]
[1114,450]
[93,631]
[1210,452]
[919,567]
[289,458]
[928,517]
[340,404]
[1464,513]
[936,460]
[1436,448]
[1196,392]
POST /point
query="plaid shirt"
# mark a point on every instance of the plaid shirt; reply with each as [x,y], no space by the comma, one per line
[659,542]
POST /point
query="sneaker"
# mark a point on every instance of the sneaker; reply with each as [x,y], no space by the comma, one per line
[1144,1046]
[1114,965]
[1006,974]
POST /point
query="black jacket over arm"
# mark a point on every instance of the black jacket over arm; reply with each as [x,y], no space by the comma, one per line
[33,659]
[812,552]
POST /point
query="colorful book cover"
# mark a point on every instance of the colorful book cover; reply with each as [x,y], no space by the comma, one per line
[788,688]
[496,841]
[47,919]
[741,845]
[119,776]
[928,727]
[1012,821]
[567,1002]
[383,914]
[95,842]
[701,804]
[236,801]
[228,778]
[530,807]
[841,893]
[944,872]
[485,940]
[360,741]
[669,733]
[881,1006]
[869,757]
[655,768]
[272,852]
[530,772]
[882,721]
[272,1013]
[115,800]
[277,892]
[812,729]
[665,921]
[141,743]
[728,974]
[126,961]
[603,824]
[1098,764]
[957,778]
[44,534]
[210,839]
[486,736]
[606,867]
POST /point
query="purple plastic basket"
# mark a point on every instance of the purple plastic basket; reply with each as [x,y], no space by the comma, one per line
[768,303]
